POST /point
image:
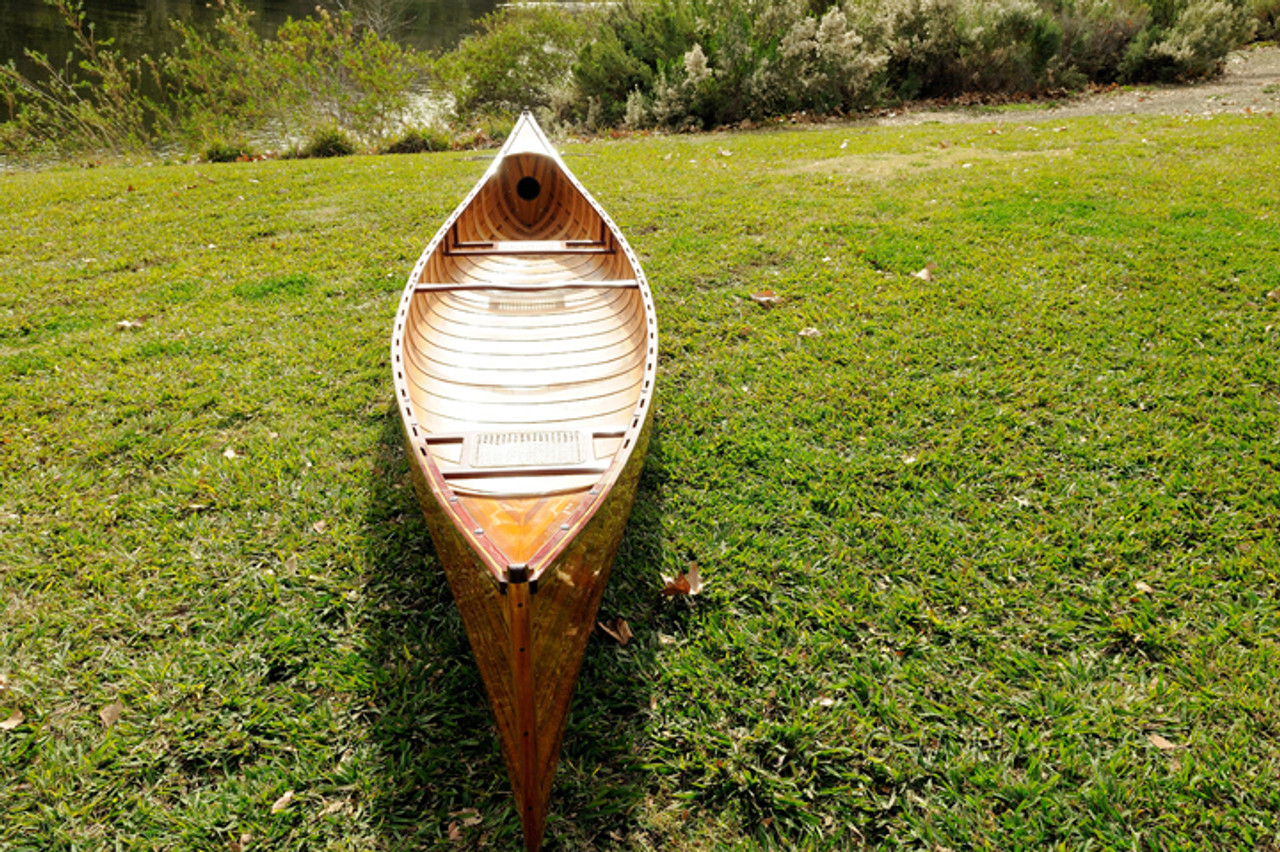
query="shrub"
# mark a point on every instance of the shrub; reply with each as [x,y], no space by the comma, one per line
[226,152]
[417,141]
[92,102]
[331,141]
[1186,39]
[517,61]
[316,73]
[636,43]
[1095,36]
[1266,14]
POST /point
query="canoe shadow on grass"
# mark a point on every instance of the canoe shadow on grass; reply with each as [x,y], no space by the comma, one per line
[435,750]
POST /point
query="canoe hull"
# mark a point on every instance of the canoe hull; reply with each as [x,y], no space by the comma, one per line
[561,618]
[524,355]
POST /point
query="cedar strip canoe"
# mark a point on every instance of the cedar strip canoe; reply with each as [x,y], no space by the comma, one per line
[524,354]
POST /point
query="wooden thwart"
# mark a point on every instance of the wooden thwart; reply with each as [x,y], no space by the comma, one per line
[522,247]
[530,287]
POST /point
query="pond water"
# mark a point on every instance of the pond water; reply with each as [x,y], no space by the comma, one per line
[142,26]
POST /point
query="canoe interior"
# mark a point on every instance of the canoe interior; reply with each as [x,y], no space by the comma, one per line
[526,350]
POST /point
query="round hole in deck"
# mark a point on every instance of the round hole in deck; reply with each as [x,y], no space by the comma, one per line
[528,188]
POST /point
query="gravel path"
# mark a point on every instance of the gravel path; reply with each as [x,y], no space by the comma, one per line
[1250,84]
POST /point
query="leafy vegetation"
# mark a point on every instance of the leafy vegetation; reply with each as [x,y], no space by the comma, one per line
[220,90]
[989,550]
[674,64]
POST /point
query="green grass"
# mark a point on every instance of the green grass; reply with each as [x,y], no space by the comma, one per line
[966,550]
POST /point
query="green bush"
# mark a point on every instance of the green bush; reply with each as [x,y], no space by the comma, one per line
[1266,15]
[315,73]
[521,59]
[1186,39]
[220,151]
[417,141]
[331,141]
[93,101]
[1095,37]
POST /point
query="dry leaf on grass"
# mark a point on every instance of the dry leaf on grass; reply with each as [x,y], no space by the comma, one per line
[283,802]
[242,844]
[291,564]
[810,332]
[765,297]
[125,325]
[1161,743]
[1143,587]
[230,453]
[470,816]
[320,526]
[684,584]
[926,274]
[618,629]
[111,713]
[15,719]
[334,807]
[455,833]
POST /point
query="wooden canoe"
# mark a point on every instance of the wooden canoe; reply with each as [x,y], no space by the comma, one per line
[524,354]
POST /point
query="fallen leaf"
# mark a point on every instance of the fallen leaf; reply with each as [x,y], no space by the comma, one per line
[230,453]
[243,843]
[319,526]
[470,816]
[1161,743]
[291,564]
[677,585]
[283,802]
[15,719]
[994,131]
[926,274]
[618,629]
[664,639]
[653,702]
[334,807]
[125,325]
[725,152]
[695,579]
[826,701]
[765,297]
[684,584]
[1274,294]
[810,332]
[111,713]
[1143,587]
[455,833]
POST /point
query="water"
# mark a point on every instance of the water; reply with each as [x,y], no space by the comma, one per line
[142,26]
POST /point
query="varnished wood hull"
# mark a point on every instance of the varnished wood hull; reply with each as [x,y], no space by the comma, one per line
[524,354]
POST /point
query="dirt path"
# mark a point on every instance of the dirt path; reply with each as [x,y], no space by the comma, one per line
[1249,84]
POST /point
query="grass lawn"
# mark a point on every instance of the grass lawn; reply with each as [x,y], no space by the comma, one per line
[990,559]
